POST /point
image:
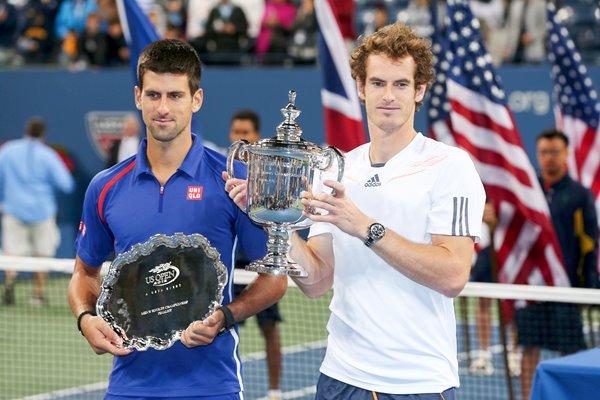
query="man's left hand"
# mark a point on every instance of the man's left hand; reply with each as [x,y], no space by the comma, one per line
[342,212]
[202,333]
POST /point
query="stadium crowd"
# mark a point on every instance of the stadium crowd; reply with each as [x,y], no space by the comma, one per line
[80,34]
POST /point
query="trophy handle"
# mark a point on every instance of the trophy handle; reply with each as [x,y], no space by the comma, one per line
[238,147]
[332,153]
[322,161]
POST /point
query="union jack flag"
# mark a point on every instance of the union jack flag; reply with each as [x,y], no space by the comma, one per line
[468,108]
[343,117]
[576,106]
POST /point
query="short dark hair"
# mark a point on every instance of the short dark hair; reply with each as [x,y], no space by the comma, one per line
[36,127]
[171,56]
[380,6]
[553,133]
[249,115]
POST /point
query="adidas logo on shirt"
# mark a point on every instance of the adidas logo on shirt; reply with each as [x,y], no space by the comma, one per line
[374,181]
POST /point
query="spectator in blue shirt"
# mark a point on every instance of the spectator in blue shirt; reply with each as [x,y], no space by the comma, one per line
[72,15]
[30,174]
[69,24]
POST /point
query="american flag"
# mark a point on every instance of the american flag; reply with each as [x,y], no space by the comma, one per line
[576,106]
[468,108]
[343,117]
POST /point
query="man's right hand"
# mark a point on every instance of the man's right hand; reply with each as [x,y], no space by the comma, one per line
[236,189]
[101,337]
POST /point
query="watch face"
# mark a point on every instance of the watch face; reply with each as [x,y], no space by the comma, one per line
[377,231]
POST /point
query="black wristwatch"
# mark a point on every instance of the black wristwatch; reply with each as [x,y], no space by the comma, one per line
[375,232]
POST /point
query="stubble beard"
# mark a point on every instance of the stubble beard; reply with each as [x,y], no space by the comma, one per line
[165,135]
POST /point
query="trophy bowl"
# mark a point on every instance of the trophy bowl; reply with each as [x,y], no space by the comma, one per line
[153,291]
[279,170]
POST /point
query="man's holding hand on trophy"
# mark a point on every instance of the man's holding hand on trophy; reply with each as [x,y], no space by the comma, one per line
[396,241]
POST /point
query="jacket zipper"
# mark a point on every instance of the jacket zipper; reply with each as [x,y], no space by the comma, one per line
[160,199]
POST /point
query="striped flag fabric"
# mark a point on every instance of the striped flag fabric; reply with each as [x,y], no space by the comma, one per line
[468,108]
[341,107]
[137,29]
[576,106]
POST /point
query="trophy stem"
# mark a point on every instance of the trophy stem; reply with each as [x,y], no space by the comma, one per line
[277,261]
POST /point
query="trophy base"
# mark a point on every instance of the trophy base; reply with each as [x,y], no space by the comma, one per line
[286,268]
[277,261]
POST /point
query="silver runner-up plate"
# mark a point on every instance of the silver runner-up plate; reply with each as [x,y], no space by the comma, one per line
[153,291]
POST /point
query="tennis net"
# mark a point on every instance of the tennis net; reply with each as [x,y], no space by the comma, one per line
[43,356]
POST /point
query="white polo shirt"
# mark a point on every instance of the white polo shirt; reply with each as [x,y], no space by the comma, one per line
[386,332]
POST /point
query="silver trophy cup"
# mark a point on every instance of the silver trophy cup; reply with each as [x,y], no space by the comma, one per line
[279,170]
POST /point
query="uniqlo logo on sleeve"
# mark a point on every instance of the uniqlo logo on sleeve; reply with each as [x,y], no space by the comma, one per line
[194,193]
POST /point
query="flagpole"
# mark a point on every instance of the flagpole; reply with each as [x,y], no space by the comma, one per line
[501,322]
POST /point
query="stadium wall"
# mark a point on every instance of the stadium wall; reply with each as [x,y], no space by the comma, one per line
[64,98]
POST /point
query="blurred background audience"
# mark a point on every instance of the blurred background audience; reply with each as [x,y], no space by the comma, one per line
[87,33]
[226,34]
[526,32]
[275,26]
[302,47]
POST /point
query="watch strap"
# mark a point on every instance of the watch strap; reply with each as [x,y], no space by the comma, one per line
[229,319]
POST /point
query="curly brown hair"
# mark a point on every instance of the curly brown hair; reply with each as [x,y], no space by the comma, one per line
[395,41]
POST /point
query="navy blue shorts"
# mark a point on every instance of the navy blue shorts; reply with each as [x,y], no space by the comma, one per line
[482,269]
[263,317]
[332,389]
[552,326]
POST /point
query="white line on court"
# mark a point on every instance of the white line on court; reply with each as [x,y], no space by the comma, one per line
[92,387]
